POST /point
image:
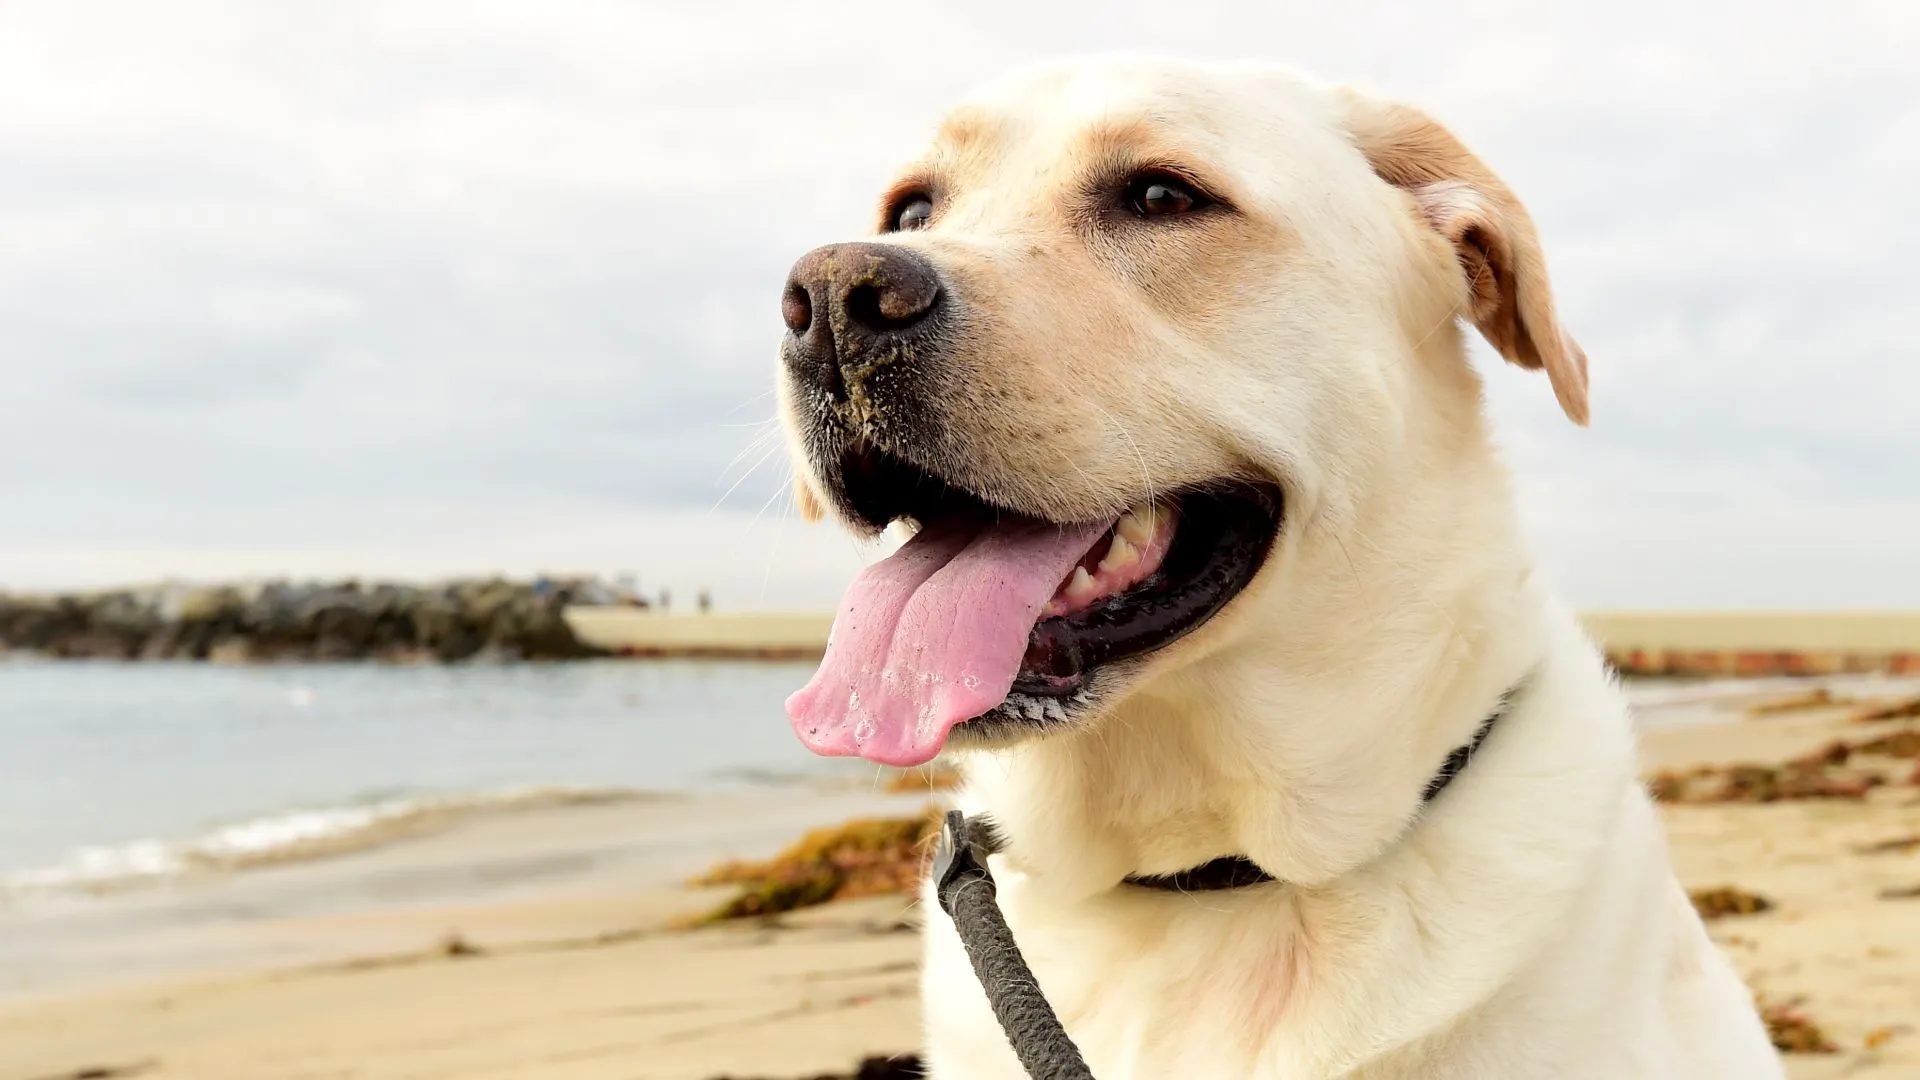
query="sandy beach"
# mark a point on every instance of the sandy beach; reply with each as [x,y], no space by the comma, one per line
[319,973]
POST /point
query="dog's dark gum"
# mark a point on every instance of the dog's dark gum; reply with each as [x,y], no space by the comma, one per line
[1223,540]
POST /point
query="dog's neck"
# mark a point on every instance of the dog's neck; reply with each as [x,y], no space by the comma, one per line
[1304,742]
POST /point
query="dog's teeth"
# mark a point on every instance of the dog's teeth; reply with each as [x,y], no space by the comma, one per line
[1136,528]
[1081,587]
[1120,554]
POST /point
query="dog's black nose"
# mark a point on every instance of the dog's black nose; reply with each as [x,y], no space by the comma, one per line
[847,306]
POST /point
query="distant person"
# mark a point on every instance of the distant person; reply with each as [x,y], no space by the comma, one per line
[704,602]
[665,597]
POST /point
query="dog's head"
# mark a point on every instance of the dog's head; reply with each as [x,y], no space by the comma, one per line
[1144,352]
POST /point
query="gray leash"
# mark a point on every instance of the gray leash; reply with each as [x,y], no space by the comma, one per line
[968,896]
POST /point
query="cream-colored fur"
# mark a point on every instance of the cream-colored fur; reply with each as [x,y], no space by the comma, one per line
[1526,924]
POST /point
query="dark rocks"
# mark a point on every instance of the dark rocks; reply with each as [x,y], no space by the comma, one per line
[460,620]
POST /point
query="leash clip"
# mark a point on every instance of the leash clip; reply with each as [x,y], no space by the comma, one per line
[955,857]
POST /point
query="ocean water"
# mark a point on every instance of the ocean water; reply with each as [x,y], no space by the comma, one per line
[114,774]
[120,775]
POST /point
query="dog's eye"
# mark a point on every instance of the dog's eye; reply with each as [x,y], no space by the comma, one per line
[1158,194]
[911,212]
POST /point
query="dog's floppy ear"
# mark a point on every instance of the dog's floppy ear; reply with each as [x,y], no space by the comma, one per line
[1508,296]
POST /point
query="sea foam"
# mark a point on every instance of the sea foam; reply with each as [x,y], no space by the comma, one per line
[286,836]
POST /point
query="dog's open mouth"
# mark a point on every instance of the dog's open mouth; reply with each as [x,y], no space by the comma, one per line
[994,616]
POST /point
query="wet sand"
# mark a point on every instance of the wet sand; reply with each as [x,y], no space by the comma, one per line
[588,979]
[552,872]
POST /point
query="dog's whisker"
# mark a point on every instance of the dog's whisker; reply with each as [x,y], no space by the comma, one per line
[761,396]
[779,533]
[770,430]
[1146,474]
[744,477]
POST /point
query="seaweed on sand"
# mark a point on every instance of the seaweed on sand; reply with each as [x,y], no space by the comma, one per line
[1904,743]
[1725,900]
[1748,783]
[1899,845]
[863,857]
[1792,1031]
[1831,772]
[1820,697]
[902,1067]
[1902,709]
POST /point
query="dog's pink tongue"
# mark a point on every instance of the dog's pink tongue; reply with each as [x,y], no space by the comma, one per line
[933,636]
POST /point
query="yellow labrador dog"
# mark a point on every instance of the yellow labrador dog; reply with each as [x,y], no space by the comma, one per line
[1214,565]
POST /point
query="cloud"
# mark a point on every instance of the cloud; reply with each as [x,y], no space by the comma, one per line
[271,276]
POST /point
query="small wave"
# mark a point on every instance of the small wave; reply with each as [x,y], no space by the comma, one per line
[775,778]
[288,836]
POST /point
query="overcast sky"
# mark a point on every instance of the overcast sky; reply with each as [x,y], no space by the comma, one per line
[412,288]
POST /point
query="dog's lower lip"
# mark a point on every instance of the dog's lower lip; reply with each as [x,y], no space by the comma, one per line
[1222,541]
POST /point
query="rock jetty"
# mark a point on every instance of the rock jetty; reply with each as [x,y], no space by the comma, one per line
[490,619]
